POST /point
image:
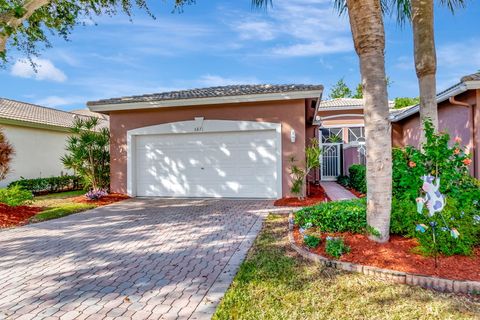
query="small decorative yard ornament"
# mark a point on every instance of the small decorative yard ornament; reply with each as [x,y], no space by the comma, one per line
[435,203]
[433,198]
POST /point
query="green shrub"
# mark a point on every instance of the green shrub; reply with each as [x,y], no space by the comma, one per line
[438,157]
[404,217]
[49,185]
[466,221]
[358,177]
[311,241]
[338,216]
[336,247]
[15,196]
[344,181]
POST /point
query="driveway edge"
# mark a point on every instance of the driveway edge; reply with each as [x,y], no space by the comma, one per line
[206,308]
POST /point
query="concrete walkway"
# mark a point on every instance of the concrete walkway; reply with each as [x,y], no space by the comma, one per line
[138,259]
[336,192]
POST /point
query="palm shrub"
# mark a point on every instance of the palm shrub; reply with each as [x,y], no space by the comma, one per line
[6,155]
[300,174]
[88,153]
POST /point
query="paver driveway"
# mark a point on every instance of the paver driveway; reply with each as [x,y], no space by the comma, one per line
[139,259]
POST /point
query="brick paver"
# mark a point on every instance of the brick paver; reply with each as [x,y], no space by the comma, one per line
[139,259]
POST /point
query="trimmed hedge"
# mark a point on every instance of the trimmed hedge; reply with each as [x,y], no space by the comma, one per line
[49,185]
[336,216]
[358,177]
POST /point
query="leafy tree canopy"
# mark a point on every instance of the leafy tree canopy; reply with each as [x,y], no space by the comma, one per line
[340,90]
[402,102]
[25,23]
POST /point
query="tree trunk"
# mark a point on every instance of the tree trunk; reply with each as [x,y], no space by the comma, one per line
[369,39]
[425,60]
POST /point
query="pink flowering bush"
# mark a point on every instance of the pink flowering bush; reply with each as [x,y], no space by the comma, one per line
[438,157]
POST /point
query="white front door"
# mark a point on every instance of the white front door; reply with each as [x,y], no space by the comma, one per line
[239,164]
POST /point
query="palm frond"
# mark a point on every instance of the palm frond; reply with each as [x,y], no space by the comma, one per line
[262,4]
[340,6]
[454,4]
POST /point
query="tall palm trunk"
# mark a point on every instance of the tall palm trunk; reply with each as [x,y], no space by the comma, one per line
[369,39]
[425,59]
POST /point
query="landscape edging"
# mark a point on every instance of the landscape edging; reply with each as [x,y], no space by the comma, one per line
[424,281]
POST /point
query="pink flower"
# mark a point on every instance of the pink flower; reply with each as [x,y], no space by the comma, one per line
[456,151]
[412,164]
[458,140]
[467,162]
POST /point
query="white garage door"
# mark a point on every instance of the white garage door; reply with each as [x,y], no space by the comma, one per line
[219,164]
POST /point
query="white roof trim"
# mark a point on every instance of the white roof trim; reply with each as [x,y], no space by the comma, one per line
[340,108]
[443,96]
[207,101]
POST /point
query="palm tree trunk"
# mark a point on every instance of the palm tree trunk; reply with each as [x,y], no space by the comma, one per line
[369,39]
[425,59]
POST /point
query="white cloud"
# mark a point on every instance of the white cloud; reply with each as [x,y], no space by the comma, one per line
[306,27]
[460,54]
[56,101]
[43,69]
[315,48]
[255,30]
[215,80]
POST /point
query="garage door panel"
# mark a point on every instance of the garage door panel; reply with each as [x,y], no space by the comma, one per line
[229,164]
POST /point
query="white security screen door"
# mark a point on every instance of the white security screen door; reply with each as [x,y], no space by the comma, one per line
[330,161]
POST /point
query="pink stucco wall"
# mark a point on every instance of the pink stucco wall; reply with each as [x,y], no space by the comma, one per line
[454,119]
[291,114]
[350,156]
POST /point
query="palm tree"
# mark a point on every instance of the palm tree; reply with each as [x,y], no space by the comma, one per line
[421,14]
[366,23]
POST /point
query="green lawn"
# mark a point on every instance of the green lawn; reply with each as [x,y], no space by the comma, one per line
[58,205]
[275,283]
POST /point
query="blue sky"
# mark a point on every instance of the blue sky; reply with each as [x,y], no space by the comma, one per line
[226,42]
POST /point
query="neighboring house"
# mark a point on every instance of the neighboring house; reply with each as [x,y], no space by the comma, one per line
[342,132]
[232,141]
[237,141]
[38,135]
[341,135]
[88,113]
[458,113]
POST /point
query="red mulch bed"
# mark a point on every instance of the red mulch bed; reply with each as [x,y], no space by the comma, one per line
[109,199]
[317,195]
[397,255]
[14,216]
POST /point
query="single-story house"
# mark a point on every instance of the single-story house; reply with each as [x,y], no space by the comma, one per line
[38,135]
[232,141]
[340,123]
[238,141]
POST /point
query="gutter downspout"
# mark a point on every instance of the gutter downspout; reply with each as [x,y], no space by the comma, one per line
[472,129]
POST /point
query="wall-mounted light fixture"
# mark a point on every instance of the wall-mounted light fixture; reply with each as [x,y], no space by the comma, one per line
[292,136]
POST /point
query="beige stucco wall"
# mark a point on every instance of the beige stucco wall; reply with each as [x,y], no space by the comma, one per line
[37,152]
[291,114]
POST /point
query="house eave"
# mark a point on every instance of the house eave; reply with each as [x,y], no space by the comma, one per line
[445,95]
[105,108]
[34,125]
